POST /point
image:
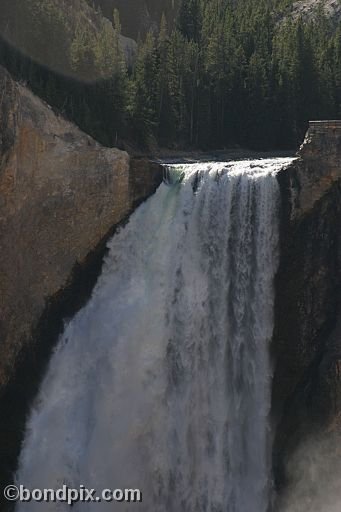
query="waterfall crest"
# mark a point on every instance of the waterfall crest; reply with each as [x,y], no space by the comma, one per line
[162,381]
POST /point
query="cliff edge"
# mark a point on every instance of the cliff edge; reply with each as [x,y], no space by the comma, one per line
[307,334]
[60,194]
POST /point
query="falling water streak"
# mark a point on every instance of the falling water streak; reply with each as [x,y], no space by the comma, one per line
[162,382]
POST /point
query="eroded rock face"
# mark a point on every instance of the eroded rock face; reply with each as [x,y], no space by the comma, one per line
[307,336]
[60,194]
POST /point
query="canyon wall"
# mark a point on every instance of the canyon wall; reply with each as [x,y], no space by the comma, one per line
[307,336]
[61,194]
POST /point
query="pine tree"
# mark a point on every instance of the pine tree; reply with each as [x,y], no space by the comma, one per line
[146,95]
[337,70]
[189,19]
[82,51]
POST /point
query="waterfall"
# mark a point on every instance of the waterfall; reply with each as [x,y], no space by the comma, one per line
[162,381]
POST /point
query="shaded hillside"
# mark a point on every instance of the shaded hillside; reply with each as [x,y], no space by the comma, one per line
[69,55]
[68,37]
[138,16]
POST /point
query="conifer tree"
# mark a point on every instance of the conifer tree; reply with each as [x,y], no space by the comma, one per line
[146,93]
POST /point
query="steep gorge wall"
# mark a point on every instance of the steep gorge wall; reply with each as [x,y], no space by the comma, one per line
[307,337]
[61,194]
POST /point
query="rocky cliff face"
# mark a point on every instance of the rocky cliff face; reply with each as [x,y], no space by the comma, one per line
[307,9]
[307,338]
[61,193]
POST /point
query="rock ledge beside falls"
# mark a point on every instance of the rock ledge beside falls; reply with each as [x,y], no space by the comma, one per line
[307,331]
[60,194]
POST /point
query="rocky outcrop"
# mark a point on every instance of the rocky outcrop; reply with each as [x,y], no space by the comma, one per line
[307,9]
[61,193]
[307,336]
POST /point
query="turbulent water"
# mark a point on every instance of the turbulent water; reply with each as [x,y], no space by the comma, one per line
[162,382]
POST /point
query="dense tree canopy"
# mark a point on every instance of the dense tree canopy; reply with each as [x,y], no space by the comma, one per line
[245,73]
[225,73]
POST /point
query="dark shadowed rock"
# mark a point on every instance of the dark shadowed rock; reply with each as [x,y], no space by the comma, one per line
[307,336]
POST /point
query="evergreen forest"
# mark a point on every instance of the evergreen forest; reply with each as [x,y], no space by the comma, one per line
[221,74]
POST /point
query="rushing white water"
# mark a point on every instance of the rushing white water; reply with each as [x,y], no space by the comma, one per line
[162,382]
